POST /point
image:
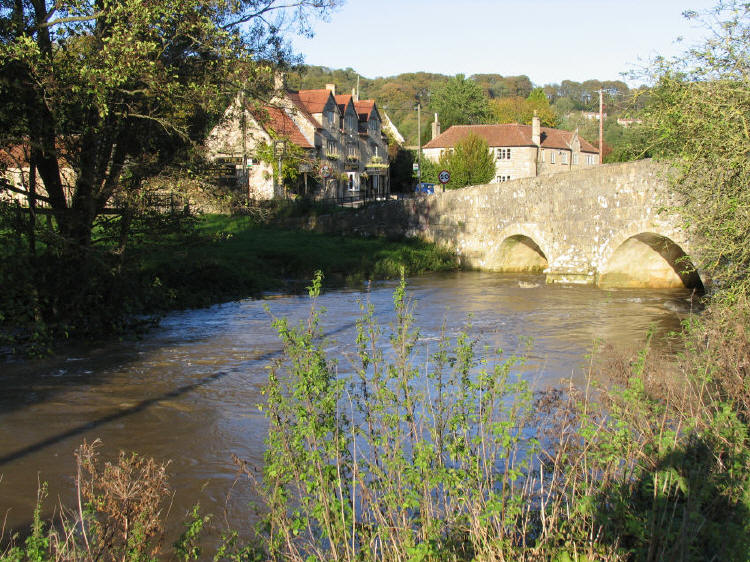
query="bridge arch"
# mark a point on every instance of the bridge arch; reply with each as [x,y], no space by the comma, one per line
[641,257]
[522,248]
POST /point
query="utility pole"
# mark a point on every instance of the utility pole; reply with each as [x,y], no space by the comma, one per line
[601,126]
[245,171]
[419,145]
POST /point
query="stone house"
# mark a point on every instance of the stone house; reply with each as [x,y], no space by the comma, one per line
[341,139]
[521,151]
[15,173]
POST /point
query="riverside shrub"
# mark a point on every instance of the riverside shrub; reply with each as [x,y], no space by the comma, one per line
[454,458]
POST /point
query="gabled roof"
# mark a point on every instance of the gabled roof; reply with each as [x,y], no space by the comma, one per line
[302,108]
[314,100]
[364,108]
[277,121]
[14,156]
[342,100]
[511,134]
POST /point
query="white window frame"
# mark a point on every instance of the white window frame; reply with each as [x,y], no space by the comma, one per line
[552,157]
[503,153]
[563,157]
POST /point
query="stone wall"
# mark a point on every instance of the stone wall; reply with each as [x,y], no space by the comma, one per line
[602,225]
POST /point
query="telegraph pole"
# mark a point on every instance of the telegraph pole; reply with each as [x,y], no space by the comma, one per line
[601,126]
[419,145]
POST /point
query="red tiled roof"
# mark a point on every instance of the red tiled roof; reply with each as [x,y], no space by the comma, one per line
[278,122]
[342,100]
[314,100]
[18,155]
[14,156]
[302,108]
[511,134]
[364,108]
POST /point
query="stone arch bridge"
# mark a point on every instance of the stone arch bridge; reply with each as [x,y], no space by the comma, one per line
[604,226]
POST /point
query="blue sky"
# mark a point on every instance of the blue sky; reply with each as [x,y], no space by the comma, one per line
[548,40]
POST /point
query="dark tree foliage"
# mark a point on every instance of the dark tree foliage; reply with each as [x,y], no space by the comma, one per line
[460,102]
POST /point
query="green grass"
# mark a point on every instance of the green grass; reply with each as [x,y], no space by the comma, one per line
[233,257]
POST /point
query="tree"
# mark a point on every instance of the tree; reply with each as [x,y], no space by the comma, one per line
[520,110]
[508,110]
[469,163]
[119,88]
[460,102]
[699,118]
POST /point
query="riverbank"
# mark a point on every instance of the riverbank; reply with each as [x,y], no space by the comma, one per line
[171,263]
[235,257]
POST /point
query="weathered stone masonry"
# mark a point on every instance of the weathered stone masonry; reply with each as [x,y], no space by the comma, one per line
[604,225]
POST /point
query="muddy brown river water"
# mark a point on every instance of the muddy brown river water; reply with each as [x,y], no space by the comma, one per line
[189,391]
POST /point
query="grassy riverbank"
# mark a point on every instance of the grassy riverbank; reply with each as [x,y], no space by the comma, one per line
[170,262]
[232,257]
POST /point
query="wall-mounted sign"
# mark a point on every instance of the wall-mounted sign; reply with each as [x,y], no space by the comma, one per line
[326,170]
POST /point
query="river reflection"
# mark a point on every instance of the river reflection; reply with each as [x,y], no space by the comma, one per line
[189,392]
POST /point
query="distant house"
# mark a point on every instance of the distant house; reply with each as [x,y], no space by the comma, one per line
[521,151]
[592,115]
[15,169]
[625,122]
[341,137]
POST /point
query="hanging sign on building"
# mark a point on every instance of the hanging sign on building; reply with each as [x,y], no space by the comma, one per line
[326,171]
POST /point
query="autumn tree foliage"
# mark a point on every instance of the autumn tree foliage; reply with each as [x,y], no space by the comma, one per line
[522,110]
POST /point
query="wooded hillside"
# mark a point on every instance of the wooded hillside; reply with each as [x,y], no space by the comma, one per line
[398,96]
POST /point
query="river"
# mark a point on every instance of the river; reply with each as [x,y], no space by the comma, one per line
[189,391]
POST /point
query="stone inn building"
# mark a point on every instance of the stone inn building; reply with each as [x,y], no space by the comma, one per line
[341,138]
[521,151]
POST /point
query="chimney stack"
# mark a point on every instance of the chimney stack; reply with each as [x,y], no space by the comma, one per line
[355,97]
[332,88]
[436,127]
[536,130]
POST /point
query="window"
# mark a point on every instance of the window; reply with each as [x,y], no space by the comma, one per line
[563,158]
[590,159]
[503,153]
[500,179]
[552,157]
[331,147]
[352,184]
[351,151]
[575,159]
